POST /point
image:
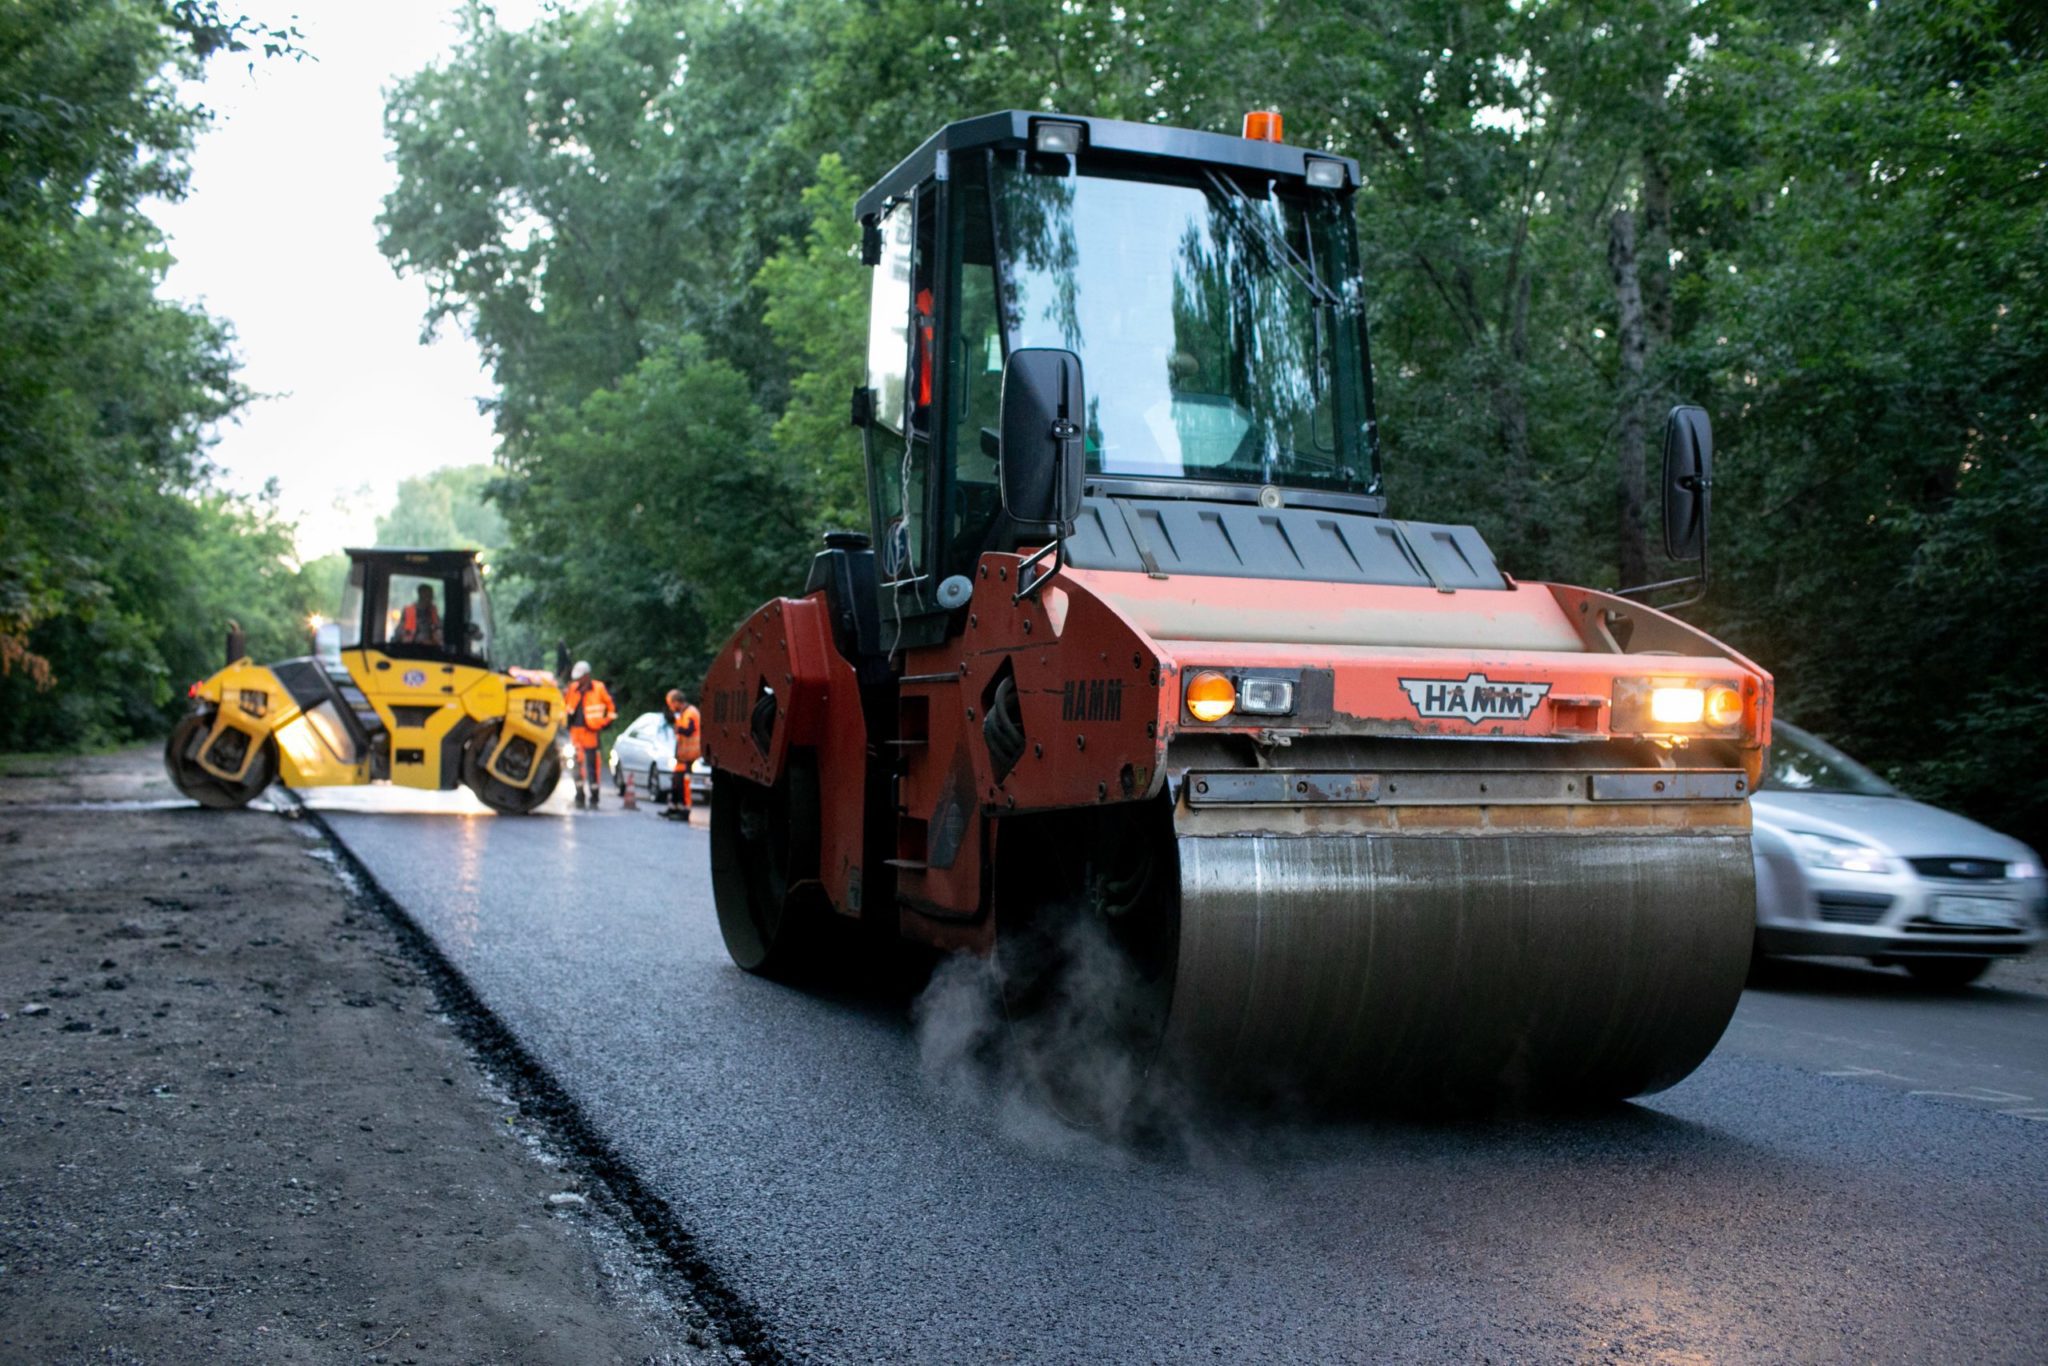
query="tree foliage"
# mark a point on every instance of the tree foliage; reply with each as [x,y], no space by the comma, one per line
[119,566]
[1824,221]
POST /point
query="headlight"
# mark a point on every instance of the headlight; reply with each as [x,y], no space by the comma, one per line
[1676,706]
[1211,696]
[1265,696]
[2022,867]
[1214,694]
[255,701]
[1847,856]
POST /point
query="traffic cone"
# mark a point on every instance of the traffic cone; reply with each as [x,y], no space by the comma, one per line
[626,797]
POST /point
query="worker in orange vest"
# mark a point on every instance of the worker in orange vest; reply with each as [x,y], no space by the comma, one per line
[420,623]
[689,729]
[590,710]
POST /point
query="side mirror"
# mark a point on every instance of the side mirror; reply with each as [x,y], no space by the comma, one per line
[1688,482]
[1041,466]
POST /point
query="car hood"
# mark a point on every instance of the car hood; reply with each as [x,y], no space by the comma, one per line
[1899,825]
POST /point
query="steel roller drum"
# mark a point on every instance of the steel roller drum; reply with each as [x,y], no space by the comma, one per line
[1496,970]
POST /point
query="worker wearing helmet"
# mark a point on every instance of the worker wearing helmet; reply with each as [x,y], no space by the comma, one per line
[590,709]
[689,729]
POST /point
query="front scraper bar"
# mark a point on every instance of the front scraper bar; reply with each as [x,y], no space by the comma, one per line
[1303,787]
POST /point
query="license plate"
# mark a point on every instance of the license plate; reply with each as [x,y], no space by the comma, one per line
[1977,911]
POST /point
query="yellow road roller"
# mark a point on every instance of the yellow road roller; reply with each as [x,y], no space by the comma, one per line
[399,689]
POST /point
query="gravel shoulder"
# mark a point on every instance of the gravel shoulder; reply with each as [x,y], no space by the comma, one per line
[235,1124]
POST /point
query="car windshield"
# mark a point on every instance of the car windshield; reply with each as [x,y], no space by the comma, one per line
[1218,323]
[1803,762]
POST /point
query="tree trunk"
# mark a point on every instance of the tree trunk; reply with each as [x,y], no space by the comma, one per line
[1656,269]
[1632,555]
[1511,410]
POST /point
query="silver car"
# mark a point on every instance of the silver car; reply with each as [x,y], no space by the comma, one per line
[1846,864]
[646,749]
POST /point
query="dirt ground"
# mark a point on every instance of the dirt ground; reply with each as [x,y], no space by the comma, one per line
[235,1126]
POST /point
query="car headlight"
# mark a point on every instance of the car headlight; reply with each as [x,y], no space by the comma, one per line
[1831,851]
[2022,867]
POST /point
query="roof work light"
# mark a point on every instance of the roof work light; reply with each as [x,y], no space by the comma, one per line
[1325,173]
[1061,138]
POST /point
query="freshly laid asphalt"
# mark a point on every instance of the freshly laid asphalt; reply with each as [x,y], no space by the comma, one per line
[1859,1172]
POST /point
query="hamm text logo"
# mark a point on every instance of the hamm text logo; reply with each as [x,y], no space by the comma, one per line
[1474,698]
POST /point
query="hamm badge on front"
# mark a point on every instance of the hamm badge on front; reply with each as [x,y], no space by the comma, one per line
[1473,698]
[415,679]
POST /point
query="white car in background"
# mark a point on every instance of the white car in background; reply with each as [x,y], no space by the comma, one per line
[646,749]
[1846,864]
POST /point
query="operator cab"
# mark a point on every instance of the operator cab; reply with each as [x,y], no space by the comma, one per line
[1208,287]
[417,604]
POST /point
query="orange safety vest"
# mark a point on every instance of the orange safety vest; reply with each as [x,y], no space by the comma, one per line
[689,736]
[409,625]
[597,711]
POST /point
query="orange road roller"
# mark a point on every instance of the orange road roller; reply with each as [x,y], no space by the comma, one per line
[1135,687]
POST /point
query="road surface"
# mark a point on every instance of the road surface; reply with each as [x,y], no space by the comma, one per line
[1860,1171]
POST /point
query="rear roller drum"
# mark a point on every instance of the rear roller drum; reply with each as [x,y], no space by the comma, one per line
[181,761]
[764,868]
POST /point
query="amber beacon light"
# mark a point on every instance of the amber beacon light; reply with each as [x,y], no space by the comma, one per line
[1211,696]
[1262,125]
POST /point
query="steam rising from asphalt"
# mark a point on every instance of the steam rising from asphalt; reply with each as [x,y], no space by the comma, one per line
[1062,1076]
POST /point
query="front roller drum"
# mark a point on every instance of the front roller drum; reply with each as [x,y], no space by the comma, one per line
[1499,971]
[188,741]
[502,797]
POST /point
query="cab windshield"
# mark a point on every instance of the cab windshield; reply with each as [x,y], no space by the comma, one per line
[1218,321]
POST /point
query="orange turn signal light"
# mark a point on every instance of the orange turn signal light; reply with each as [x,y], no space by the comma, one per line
[1724,707]
[1211,696]
[1262,125]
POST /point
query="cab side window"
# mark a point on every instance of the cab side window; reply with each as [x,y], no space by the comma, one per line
[974,501]
[897,472]
[889,320]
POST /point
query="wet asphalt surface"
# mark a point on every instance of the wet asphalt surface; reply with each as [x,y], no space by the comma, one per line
[1859,1172]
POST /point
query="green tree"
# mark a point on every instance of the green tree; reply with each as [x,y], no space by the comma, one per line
[1879,351]
[107,520]
[1823,221]
[667,510]
[448,507]
[815,293]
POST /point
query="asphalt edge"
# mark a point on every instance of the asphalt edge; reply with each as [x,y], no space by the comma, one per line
[540,1097]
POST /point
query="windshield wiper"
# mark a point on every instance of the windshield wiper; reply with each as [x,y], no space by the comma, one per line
[1300,269]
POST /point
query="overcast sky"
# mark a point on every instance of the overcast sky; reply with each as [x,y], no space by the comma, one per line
[279,237]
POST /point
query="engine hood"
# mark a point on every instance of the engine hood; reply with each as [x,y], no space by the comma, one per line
[1899,825]
[1186,607]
